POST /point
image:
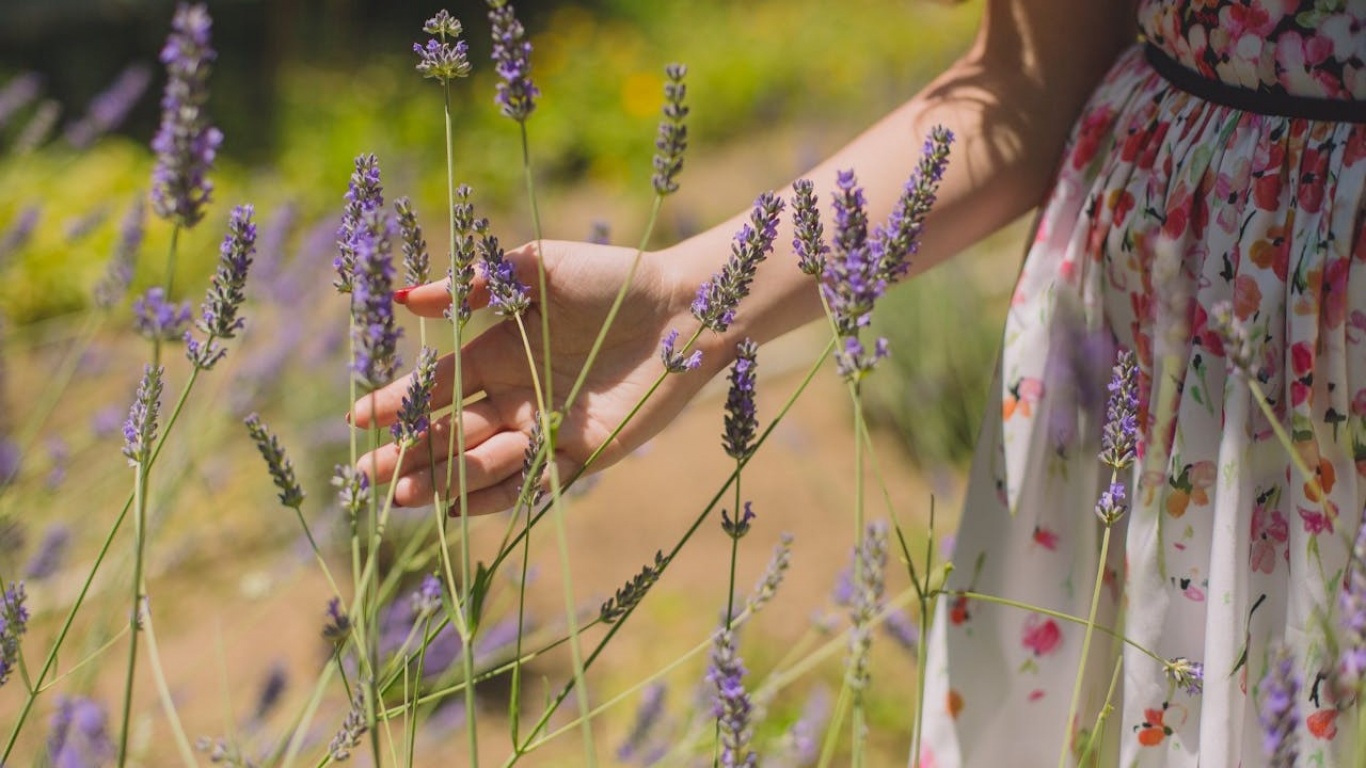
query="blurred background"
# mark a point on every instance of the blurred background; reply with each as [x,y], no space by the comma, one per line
[299,89]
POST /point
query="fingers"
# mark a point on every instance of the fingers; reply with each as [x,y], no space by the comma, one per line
[432,299]
[493,474]
[382,464]
[381,407]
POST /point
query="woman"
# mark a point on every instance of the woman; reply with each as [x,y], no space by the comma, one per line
[1222,159]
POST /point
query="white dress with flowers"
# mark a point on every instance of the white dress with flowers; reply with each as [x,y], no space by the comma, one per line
[1166,205]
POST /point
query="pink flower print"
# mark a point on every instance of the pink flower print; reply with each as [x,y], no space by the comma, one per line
[1269,528]
[1315,522]
[1297,58]
[1302,358]
[1036,694]
[1041,635]
[1246,19]
[1359,403]
[1228,186]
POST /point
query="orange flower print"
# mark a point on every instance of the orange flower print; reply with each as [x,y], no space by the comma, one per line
[1327,478]
[1274,252]
[1020,397]
[1247,296]
[1041,635]
[1192,485]
[954,703]
[1154,729]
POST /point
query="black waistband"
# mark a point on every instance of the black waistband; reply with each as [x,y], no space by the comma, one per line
[1265,102]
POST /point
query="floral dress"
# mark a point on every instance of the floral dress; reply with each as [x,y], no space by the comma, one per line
[1167,205]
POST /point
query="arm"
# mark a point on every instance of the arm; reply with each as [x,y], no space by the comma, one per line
[1011,100]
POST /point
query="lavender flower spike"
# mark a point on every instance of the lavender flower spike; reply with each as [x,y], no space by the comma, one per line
[17,93]
[415,412]
[732,707]
[741,419]
[718,298]
[1189,675]
[79,734]
[219,313]
[440,59]
[674,361]
[155,318]
[809,242]
[50,553]
[186,143]
[867,600]
[772,577]
[1120,436]
[900,237]
[353,489]
[738,526]
[140,430]
[1351,666]
[507,295]
[1279,714]
[648,716]
[13,625]
[109,108]
[118,273]
[463,250]
[352,729]
[512,59]
[364,195]
[673,132]
[373,329]
[416,264]
[281,469]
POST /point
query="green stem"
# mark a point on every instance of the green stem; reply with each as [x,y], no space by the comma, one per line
[139,523]
[1085,647]
[1097,739]
[164,691]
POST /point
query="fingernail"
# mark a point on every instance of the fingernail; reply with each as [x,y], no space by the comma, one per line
[401,295]
[348,417]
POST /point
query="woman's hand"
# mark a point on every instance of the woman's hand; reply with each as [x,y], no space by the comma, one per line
[582,280]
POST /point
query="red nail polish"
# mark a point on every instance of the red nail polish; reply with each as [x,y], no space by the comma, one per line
[401,295]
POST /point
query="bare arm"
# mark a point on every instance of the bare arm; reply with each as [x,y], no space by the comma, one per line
[1010,100]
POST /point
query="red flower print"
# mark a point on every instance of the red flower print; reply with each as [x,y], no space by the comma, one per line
[1153,730]
[1123,203]
[1302,357]
[1359,403]
[1323,724]
[1334,297]
[1313,179]
[1036,694]
[958,612]
[1299,393]
[1048,539]
[1356,146]
[1094,127]
[1041,635]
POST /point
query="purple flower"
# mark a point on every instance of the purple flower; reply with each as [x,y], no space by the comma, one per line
[58,453]
[219,313]
[532,471]
[1351,666]
[338,624]
[1189,675]
[426,601]
[809,242]
[649,713]
[414,413]
[10,460]
[18,92]
[281,469]
[271,245]
[851,283]
[186,143]
[20,232]
[463,253]
[900,237]
[352,729]
[439,59]
[109,108]
[739,526]
[78,228]
[1279,714]
[272,688]
[104,423]
[731,703]
[374,333]
[364,195]
[718,298]
[507,295]
[140,430]
[353,489]
[1120,436]
[416,264]
[899,627]
[50,553]
[600,233]
[772,578]
[741,418]
[79,735]
[512,59]
[867,601]
[1111,507]
[673,132]
[13,625]
[157,319]
[118,272]
[675,361]
[801,744]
